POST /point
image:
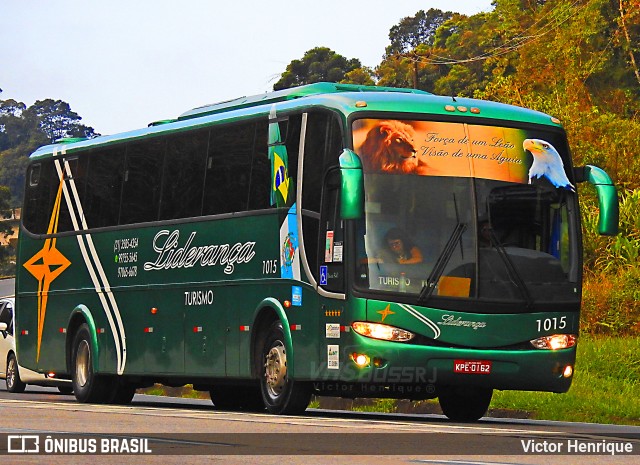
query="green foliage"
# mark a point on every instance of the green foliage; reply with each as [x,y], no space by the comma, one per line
[612,254]
[377,405]
[578,61]
[611,292]
[416,30]
[23,129]
[318,64]
[605,389]
[405,62]
[362,76]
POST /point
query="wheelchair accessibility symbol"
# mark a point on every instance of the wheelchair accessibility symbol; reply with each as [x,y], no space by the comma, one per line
[323,275]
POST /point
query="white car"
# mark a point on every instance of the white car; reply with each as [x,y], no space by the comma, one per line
[16,376]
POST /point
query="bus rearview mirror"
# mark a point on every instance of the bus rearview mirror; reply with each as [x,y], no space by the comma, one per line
[352,186]
[607,197]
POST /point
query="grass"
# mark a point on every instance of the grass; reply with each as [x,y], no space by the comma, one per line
[605,389]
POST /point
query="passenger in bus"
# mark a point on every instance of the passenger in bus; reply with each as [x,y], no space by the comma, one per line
[399,248]
[484,234]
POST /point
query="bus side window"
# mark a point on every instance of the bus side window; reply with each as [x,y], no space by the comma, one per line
[183,177]
[78,168]
[104,187]
[260,188]
[141,190]
[228,169]
[42,188]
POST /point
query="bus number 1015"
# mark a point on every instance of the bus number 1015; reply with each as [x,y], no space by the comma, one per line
[269,266]
[552,323]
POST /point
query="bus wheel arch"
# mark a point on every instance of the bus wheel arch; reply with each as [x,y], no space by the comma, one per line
[79,316]
[88,385]
[266,313]
[272,361]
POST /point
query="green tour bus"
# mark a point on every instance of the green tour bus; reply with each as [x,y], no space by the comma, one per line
[329,239]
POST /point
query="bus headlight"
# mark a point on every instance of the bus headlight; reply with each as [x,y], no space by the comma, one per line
[380,331]
[555,342]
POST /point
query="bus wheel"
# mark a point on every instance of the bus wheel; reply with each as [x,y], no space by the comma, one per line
[464,404]
[87,386]
[65,390]
[281,394]
[232,397]
[121,393]
[14,383]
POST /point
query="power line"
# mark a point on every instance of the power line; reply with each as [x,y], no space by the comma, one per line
[509,46]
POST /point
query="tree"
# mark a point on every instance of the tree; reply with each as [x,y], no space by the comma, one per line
[362,76]
[23,129]
[404,63]
[416,30]
[11,123]
[317,65]
[55,119]
[575,65]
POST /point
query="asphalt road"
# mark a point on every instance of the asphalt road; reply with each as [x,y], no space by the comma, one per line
[192,431]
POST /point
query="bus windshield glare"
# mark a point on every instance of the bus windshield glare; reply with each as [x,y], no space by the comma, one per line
[466,212]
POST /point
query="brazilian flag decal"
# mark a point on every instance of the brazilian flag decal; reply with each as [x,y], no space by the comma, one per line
[279,164]
[280,174]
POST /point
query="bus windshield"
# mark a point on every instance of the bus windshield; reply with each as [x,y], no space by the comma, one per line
[466,212]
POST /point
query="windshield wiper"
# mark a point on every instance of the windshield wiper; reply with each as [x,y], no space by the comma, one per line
[444,257]
[516,279]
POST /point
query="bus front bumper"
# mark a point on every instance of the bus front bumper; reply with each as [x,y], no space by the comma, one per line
[382,363]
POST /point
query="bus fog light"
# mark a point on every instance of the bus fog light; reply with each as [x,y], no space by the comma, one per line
[361,360]
[380,331]
[568,371]
[555,342]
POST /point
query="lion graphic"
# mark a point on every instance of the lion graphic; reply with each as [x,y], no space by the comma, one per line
[389,148]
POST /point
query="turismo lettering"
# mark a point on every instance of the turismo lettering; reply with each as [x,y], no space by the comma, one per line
[196,298]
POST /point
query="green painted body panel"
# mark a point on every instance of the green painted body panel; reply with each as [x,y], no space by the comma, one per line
[472,329]
[178,318]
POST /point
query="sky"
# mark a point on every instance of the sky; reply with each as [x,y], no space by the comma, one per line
[123,64]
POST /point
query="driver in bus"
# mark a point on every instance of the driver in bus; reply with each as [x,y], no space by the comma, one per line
[399,248]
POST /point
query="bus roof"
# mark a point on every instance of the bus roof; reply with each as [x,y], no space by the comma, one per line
[345,98]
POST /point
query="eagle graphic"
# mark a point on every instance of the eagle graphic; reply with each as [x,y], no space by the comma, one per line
[546,163]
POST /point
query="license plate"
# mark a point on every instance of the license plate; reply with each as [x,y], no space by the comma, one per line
[473,367]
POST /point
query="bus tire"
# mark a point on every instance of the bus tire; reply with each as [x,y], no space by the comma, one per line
[465,404]
[14,383]
[233,397]
[121,393]
[66,390]
[88,387]
[280,394]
